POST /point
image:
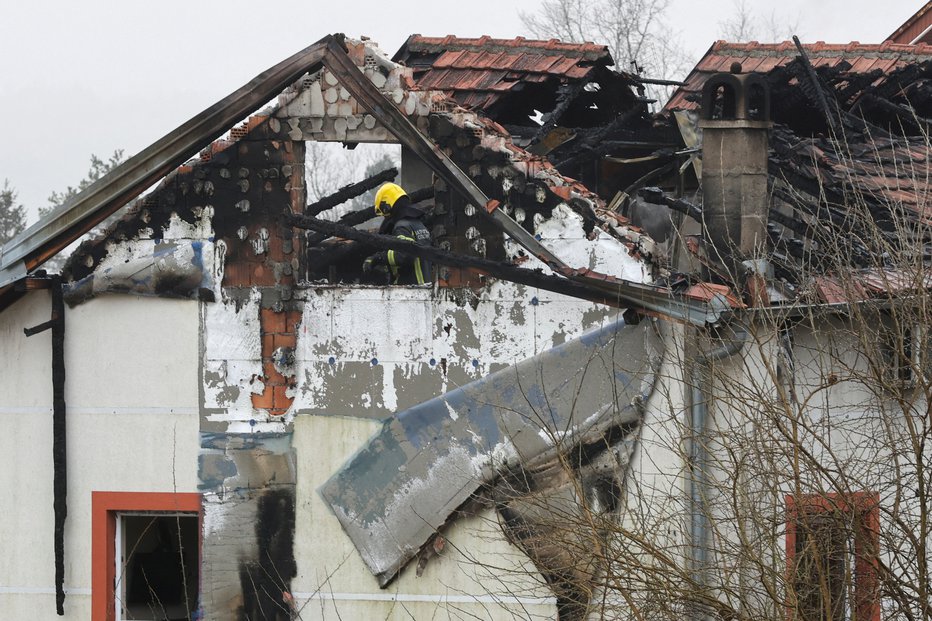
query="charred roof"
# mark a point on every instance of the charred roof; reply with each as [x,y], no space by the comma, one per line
[512,79]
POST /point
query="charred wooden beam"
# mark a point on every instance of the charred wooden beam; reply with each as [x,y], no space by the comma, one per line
[351,191]
[656,196]
[351,219]
[565,99]
[657,81]
[817,89]
[422,194]
[904,114]
[59,446]
[495,269]
[592,146]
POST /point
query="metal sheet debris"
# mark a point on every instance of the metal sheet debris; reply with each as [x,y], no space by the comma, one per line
[426,461]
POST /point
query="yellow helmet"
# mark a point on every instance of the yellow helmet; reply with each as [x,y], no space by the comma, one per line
[386,197]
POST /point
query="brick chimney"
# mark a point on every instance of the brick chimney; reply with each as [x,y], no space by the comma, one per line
[735,122]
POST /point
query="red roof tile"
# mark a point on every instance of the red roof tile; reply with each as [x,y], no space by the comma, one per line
[764,57]
[462,66]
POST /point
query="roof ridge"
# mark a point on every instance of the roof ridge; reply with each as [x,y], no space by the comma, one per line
[452,42]
[822,46]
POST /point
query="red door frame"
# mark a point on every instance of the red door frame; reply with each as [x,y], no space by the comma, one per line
[104,509]
[866,506]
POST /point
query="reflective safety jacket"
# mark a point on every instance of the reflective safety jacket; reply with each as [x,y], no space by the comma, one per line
[405,269]
[408,270]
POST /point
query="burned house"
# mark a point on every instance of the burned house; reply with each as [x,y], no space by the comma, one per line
[236,424]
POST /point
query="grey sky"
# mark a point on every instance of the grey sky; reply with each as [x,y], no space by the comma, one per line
[96,75]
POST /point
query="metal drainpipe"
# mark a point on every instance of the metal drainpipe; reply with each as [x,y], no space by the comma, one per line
[700,395]
[59,452]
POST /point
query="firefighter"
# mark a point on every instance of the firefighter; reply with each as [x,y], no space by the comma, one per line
[405,221]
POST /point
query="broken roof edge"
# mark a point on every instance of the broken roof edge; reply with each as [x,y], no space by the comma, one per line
[786,50]
[915,17]
[54,232]
[586,50]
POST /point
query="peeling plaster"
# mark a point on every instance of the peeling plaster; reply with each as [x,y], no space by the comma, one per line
[346,366]
[232,358]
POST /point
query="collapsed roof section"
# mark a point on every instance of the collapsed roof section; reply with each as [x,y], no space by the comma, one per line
[849,154]
[513,80]
[558,100]
[887,83]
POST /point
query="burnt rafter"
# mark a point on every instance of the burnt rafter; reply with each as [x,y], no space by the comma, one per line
[495,269]
[815,89]
[656,196]
[593,286]
[351,191]
[565,98]
[594,145]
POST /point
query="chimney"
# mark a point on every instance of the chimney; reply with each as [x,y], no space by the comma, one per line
[735,122]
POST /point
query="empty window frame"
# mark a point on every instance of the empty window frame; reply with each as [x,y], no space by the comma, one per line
[905,348]
[146,555]
[831,548]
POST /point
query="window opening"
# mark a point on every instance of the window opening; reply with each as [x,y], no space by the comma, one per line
[905,350]
[831,547]
[724,103]
[157,566]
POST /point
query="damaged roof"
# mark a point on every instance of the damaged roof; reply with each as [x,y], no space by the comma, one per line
[916,29]
[849,155]
[878,61]
[479,73]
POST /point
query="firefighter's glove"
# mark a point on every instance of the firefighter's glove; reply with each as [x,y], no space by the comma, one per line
[374,263]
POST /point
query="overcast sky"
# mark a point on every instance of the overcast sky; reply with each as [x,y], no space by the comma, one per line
[96,75]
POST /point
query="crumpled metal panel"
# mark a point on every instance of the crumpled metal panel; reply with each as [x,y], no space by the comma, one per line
[395,493]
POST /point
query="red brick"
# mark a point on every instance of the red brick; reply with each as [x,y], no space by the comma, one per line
[254,121]
[293,320]
[264,400]
[273,377]
[277,411]
[284,340]
[280,398]
[268,345]
[275,247]
[272,322]
[237,275]
[262,276]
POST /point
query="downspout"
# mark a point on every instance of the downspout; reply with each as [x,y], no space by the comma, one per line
[59,454]
[701,394]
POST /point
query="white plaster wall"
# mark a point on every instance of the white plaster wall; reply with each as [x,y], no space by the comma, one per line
[843,421]
[372,351]
[132,395]
[477,575]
